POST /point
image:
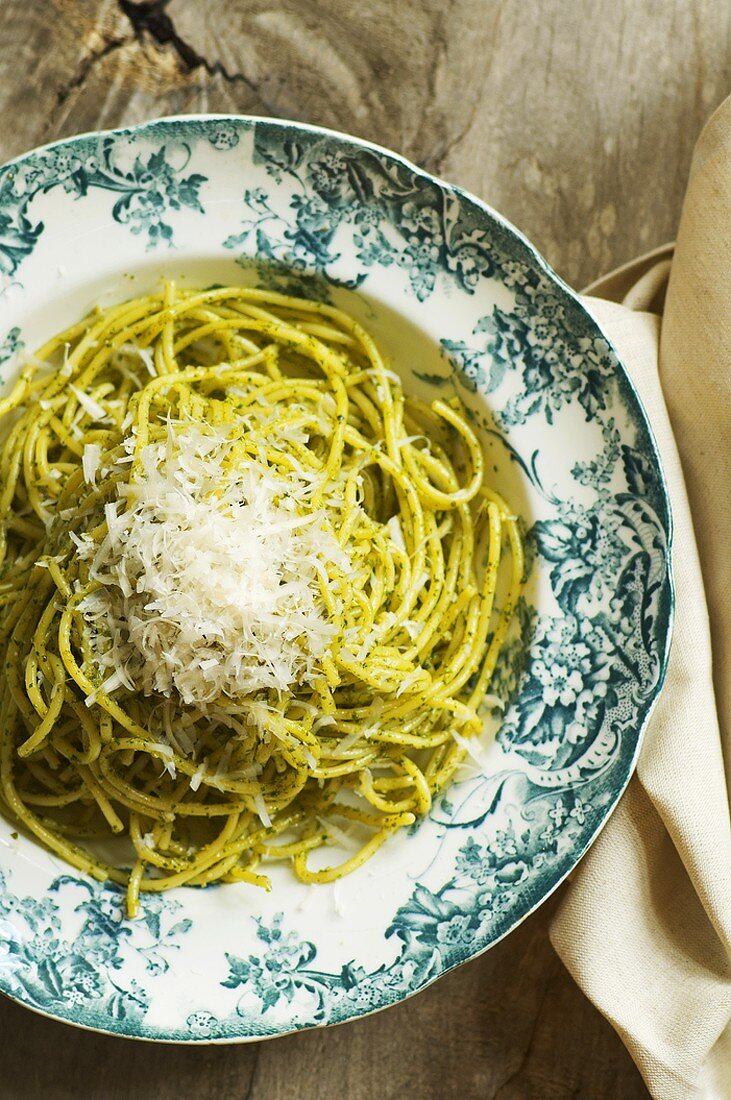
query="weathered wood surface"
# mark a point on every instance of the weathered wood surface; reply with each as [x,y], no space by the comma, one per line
[576,120]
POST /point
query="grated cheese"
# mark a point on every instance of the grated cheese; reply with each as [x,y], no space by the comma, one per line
[347,743]
[396,532]
[339,836]
[262,810]
[209,571]
[166,753]
[197,777]
[88,404]
[141,353]
[91,460]
[414,677]
[493,701]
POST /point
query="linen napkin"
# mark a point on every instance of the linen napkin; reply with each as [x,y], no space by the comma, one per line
[645,928]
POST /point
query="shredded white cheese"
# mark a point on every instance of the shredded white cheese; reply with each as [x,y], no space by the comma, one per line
[166,753]
[414,677]
[91,460]
[209,574]
[140,353]
[88,404]
[338,836]
[492,701]
[197,777]
[262,810]
[347,743]
[396,532]
[475,751]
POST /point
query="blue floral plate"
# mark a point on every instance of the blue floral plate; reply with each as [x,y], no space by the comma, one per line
[461,302]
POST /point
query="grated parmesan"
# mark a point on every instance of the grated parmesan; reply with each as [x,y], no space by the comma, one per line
[91,460]
[141,353]
[210,578]
[475,750]
[91,407]
[261,809]
[396,532]
[339,836]
[166,753]
[197,777]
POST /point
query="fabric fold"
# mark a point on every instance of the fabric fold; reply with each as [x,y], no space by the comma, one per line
[645,927]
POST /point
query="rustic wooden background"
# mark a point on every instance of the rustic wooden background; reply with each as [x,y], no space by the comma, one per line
[576,120]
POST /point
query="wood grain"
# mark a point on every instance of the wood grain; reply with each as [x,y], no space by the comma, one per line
[577,121]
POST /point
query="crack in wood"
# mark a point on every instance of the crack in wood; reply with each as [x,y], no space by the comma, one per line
[436,161]
[87,64]
[150,16]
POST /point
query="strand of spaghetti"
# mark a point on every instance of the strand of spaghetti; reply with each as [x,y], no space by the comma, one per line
[330,874]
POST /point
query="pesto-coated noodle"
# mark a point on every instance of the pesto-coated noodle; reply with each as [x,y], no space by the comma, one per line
[126,714]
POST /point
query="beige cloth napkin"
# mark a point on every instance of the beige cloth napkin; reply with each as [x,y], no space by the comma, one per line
[645,928]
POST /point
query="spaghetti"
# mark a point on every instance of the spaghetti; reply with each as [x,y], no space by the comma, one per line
[130,705]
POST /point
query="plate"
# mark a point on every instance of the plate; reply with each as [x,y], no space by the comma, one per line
[459,301]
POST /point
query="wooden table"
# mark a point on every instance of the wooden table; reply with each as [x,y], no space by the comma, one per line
[576,120]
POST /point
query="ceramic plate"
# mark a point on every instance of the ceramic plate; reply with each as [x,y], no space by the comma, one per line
[459,301]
